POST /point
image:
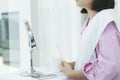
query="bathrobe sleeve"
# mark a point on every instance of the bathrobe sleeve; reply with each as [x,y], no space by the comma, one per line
[107,50]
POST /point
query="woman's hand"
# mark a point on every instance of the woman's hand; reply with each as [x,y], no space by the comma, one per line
[66,68]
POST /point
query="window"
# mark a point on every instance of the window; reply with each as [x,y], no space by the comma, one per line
[9,40]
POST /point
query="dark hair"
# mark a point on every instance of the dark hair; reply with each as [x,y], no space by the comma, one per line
[99,5]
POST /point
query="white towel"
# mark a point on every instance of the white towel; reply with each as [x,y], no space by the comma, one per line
[91,35]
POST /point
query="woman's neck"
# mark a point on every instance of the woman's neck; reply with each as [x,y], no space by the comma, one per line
[91,13]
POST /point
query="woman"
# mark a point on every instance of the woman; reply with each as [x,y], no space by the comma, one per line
[99,54]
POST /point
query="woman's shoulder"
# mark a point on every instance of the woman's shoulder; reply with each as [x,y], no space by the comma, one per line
[110,32]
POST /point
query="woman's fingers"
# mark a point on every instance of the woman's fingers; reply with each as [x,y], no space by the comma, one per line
[62,63]
[65,63]
[64,66]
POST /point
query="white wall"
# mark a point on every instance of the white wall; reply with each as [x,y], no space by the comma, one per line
[75,26]
[59,22]
[118,6]
[3,5]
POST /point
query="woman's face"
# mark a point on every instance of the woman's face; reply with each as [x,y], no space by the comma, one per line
[84,3]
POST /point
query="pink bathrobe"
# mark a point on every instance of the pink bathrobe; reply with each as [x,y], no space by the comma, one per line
[108,55]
